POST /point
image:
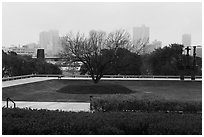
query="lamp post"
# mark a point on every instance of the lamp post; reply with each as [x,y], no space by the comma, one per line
[194,64]
[187,56]
[185,67]
[181,68]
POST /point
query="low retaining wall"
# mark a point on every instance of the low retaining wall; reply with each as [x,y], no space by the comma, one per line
[88,76]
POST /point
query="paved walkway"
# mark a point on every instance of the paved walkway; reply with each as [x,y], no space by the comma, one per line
[24,81]
[64,106]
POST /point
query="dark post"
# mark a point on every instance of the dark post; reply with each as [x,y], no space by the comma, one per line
[194,64]
[188,67]
[7,102]
[187,55]
[181,72]
[181,67]
[91,105]
[40,53]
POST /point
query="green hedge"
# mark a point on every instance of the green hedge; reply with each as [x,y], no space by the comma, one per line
[145,104]
[44,122]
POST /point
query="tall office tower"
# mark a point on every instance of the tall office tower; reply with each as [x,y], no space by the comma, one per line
[199,51]
[49,40]
[140,37]
[186,41]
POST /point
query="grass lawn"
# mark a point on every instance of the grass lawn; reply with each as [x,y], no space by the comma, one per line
[47,90]
[91,88]
[27,121]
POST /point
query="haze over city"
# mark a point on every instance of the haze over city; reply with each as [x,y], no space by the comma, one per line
[22,22]
[102,68]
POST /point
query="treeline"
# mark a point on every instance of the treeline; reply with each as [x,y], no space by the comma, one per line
[170,61]
[16,65]
[125,63]
[163,61]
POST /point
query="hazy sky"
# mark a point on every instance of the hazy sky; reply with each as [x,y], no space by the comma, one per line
[22,22]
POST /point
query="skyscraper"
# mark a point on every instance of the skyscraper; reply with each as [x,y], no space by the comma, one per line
[140,36]
[49,40]
[186,40]
[199,51]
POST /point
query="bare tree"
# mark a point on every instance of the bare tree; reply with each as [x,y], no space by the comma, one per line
[95,51]
[139,45]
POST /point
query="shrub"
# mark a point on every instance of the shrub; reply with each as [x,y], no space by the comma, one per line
[109,130]
[115,103]
[43,122]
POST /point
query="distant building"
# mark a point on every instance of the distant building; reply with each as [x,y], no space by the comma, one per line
[5,49]
[186,41]
[31,46]
[151,47]
[199,51]
[140,37]
[22,51]
[49,40]
[27,49]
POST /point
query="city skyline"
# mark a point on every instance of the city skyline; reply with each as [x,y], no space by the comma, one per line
[140,35]
[22,23]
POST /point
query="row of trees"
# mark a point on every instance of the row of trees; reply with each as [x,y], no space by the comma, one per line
[16,65]
[125,63]
[163,61]
[170,61]
[113,54]
[103,54]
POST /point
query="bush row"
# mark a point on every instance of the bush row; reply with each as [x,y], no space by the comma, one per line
[44,122]
[146,105]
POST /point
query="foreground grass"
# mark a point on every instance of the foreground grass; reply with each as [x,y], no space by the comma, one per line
[46,90]
[43,122]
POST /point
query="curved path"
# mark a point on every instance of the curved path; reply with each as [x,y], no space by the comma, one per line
[24,81]
[63,106]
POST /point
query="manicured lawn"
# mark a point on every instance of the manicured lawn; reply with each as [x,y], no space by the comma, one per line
[47,90]
[152,97]
[91,88]
[42,122]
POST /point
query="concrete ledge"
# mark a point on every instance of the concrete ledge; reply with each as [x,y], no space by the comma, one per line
[105,76]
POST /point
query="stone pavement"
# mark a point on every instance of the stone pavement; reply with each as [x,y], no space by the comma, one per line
[24,81]
[64,106]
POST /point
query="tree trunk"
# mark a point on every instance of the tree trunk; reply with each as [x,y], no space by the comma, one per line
[96,81]
[96,78]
